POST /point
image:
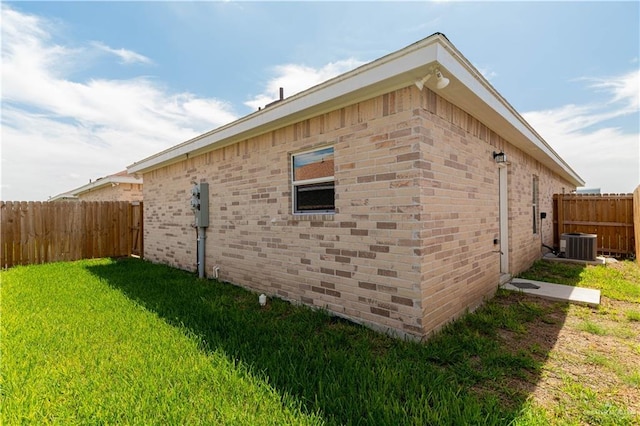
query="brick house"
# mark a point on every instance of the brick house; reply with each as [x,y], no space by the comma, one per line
[117,187]
[378,195]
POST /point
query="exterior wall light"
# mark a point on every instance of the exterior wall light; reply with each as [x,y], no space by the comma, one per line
[441,83]
[499,157]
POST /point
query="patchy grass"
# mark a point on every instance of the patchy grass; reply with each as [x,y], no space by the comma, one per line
[632,315]
[128,342]
[593,328]
[592,374]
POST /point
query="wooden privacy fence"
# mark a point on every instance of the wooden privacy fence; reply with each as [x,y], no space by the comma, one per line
[40,232]
[610,216]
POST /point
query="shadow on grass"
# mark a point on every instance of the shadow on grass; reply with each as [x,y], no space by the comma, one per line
[555,272]
[478,370]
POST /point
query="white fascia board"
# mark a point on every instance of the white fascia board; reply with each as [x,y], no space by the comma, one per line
[381,76]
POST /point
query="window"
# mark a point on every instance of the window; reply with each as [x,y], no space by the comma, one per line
[313,181]
[534,203]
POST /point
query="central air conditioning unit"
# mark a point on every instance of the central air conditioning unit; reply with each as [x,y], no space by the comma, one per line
[579,246]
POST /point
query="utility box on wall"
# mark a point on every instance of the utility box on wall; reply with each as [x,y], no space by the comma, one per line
[200,204]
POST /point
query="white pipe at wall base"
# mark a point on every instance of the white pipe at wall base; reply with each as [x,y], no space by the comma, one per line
[202,237]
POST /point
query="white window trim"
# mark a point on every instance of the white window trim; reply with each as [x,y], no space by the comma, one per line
[295,183]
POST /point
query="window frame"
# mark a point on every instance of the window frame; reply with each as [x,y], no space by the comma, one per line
[295,184]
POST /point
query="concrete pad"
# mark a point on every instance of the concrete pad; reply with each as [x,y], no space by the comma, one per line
[564,293]
[600,260]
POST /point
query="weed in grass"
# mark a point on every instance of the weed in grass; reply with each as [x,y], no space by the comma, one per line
[537,349]
[632,315]
[593,328]
[623,331]
[532,414]
[632,379]
[606,413]
[607,312]
[596,358]
[628,376]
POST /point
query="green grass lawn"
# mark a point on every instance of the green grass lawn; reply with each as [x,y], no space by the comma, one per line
[76,350]
[128,342]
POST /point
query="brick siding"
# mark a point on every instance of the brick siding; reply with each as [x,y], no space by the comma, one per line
[410,246]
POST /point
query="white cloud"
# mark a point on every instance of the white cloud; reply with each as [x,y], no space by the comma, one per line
[625,89]
[602,154]
[296,78]
[126,56]
[58,133]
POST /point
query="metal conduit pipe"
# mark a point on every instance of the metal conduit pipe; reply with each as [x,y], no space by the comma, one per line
[202,237]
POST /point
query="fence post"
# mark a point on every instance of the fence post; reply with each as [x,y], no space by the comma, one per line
[560,215]
[636,221]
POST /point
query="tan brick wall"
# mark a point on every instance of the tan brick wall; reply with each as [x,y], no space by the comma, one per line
[119,192]
[460,204]
[525,246]
[460,188]
[360,262]
[411,243]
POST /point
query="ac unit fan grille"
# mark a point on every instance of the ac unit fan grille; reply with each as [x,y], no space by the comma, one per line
[579,246]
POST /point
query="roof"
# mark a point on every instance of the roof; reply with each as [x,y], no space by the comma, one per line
[111,180]
[468,89]
[315,170]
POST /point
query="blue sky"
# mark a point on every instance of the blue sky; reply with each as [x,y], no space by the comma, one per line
[91,87]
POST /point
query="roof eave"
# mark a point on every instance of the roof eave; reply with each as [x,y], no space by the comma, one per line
[386,74]
[468,90]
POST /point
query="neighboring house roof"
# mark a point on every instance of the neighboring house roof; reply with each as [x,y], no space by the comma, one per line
[468,89]
[315,170]
[115,179]
[63,197]
[588,191]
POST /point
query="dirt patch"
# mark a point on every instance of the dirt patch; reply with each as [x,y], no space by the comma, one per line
[588,357]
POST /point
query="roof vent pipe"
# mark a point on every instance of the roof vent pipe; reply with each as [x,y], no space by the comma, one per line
[277,100]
